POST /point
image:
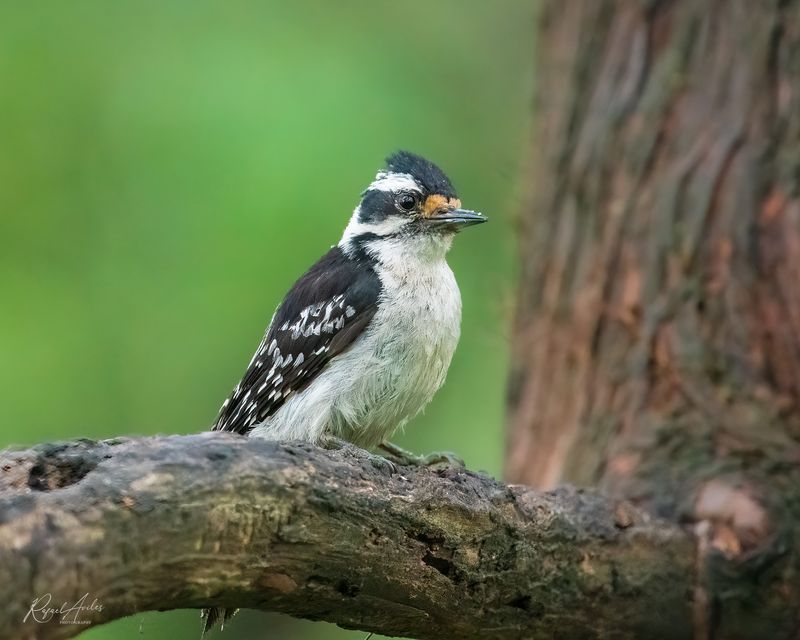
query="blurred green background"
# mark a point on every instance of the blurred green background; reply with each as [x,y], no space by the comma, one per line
[169,168]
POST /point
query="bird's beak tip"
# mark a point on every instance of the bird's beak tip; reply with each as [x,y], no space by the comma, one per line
[459,218]
[467,218]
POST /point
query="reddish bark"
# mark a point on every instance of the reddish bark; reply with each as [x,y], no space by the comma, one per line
[657,337]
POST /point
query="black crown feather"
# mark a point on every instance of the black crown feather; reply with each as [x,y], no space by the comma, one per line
[424,171]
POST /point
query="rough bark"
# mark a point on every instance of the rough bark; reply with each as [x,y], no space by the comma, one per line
[657,339]
[214,519]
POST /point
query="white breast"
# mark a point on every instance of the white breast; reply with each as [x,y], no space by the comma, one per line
[393,370]
[409,344]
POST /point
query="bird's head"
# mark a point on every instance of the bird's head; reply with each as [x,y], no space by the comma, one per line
[409,203]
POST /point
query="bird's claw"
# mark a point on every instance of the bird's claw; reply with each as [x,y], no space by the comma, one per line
[332,443]
[382,463]
[442,460]
[436,460]
[395,456]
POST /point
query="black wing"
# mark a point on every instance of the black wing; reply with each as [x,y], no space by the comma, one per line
[325,311]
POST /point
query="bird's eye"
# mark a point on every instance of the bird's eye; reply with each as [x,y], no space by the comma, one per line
[406,201]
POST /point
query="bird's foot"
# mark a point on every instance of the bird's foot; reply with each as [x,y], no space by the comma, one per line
[437,460]
[384,464]
[332,443]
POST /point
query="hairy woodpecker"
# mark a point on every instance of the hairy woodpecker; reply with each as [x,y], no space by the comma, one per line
[364,338]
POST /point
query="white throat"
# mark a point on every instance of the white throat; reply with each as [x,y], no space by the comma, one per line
[405,254]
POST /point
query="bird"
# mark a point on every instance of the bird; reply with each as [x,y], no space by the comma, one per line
[363,340]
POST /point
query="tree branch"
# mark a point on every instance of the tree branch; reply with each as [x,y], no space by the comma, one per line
[215,519]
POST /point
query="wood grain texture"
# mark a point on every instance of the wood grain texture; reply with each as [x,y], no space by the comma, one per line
[657,336]
[216,519]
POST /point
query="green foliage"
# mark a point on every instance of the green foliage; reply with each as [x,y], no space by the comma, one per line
[168,170]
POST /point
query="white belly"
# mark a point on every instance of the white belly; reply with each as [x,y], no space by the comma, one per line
[390,373]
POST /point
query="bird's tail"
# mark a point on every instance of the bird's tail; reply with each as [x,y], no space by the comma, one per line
[215,615]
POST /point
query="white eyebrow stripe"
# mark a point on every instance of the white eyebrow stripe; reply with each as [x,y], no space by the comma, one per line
[390,181]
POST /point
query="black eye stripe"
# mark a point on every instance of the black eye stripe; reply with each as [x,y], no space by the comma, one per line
[375,206]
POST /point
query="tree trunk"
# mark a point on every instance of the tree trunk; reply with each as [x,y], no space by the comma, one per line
[657,336]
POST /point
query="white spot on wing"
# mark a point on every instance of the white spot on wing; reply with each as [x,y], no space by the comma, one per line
[306,327]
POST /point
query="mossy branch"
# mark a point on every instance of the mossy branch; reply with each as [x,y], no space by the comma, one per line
[214,519]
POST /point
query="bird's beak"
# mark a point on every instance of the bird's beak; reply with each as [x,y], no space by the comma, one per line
[456,219]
